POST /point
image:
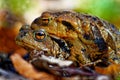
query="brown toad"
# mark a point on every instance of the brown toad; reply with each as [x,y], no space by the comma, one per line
[66,35]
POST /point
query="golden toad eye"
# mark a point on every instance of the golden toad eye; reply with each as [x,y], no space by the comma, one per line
[46,21]
[39,35]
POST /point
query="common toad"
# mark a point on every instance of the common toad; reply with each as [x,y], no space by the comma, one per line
[66,35]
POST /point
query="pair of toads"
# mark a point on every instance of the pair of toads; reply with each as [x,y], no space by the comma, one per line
[67,39]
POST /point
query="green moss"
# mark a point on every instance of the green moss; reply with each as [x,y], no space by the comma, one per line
[118,78]
[106,9]
[16,6]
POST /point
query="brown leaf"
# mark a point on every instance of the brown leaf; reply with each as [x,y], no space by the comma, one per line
[113,69]
[28,71]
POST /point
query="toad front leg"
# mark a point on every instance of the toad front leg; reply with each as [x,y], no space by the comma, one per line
[63,68]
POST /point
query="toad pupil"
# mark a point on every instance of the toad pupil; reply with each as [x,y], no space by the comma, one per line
[39,35]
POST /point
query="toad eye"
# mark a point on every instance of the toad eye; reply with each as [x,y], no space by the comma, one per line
[45,21]
[39,35]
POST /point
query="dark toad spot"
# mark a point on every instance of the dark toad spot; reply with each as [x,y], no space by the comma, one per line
[94,18]
[83,50]
[86,36]
[68,25]
[63,45]
[101,44]
[69,44]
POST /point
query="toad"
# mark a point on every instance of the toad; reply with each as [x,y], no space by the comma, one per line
[73,38]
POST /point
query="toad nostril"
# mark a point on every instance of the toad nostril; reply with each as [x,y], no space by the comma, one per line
[22,34]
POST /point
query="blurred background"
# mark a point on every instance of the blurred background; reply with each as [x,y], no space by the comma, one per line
[15,13]
[28,10]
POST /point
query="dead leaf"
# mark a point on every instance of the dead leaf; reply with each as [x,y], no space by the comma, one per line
[28,71]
